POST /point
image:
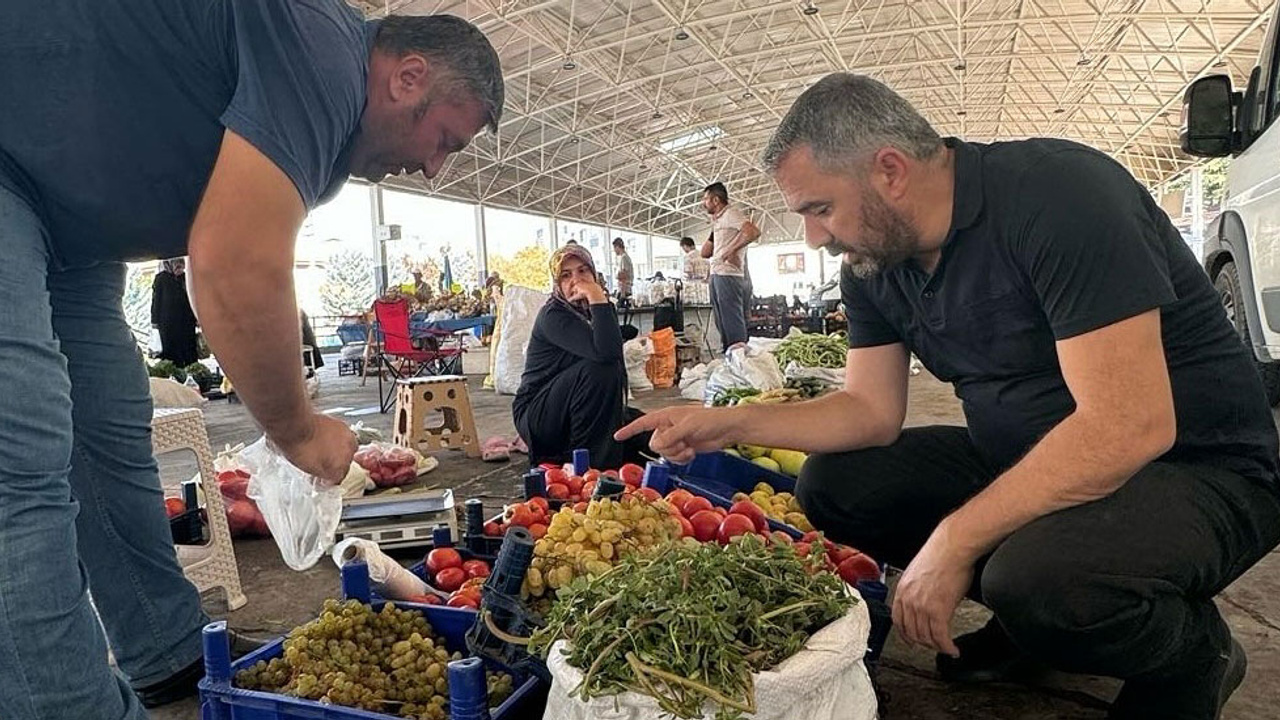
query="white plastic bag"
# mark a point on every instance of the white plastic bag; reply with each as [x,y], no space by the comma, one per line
[825,681]
[748,367]
[829,376]
[167,393]
[301,513]
[520,306]
[635,353]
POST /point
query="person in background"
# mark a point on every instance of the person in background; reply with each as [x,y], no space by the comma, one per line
[421,288]
[726,248]
[314,360]
[199,129]
[573,391]
[626,271]
[171,314]
[695,267]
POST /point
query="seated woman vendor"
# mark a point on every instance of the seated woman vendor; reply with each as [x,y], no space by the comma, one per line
[573,392]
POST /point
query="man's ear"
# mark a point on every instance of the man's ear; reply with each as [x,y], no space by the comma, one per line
[890,172]
[409,78]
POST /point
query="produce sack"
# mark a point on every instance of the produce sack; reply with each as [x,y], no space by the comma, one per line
[301,512]
[747,367]
[520,306]
[661,366]
[636,353]
[824,681]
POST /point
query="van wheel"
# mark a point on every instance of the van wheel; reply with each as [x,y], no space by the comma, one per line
[1228,285]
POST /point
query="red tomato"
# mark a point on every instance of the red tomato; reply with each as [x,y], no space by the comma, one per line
[476,568]
[442,558]
[476,584]
[802,549]
[705,525]
[631,474]
[858,567]
[173,507]
[686,528]
[581,507]
[450,578]
[425,599]
[720,511]
[753,511]
[540,503]
[588,489]
[538,531]
[557,491]
[811,537]
[557,475]
[464,601]
[575,484]
[733,526]
[679,497]
[492,529]
[649,494]
[695,505]
[591,476]
[781,538]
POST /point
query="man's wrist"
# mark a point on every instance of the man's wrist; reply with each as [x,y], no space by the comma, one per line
[961,542]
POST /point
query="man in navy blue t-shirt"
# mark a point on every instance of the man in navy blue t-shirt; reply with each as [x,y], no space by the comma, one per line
[1118,466]
[158,128]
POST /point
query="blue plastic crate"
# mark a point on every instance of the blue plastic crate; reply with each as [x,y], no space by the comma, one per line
[219,700]
[718,475]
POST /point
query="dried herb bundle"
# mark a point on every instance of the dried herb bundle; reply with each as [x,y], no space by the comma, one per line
[692,623]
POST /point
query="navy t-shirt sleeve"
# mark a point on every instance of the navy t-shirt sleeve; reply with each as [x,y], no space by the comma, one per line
[300,88]
[867,325]
[1091,249]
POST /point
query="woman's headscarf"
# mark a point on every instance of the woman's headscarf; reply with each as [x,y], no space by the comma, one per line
[582,307]
[172,264]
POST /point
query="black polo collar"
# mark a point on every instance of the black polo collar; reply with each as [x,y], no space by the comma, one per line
[967,199]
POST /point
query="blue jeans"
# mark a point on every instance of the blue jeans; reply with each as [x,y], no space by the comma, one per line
[81,508]
[730,303]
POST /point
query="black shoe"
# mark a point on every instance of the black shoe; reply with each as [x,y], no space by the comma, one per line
[1201,691]
[986,655]
[183,684]
[1237,665]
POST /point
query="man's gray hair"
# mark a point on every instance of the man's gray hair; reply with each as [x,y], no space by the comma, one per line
[844,118]
[456,45]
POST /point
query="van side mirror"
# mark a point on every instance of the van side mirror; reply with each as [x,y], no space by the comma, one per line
[1208,118]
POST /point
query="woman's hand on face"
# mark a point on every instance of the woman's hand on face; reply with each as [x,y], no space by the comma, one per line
[589,291]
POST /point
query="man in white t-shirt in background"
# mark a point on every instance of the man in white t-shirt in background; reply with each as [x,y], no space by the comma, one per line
[695,267]
[726,247]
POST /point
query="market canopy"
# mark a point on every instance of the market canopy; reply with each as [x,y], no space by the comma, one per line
[620,111]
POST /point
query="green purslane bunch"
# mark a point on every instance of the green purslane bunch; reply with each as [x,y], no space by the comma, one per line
[812,350]
[692,623]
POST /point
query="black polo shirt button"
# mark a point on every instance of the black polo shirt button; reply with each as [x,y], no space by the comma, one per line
[928,294]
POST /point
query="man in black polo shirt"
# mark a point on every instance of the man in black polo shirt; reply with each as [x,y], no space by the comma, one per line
[1119,467]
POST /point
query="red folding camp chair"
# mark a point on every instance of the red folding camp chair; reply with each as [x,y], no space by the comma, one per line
[399,355]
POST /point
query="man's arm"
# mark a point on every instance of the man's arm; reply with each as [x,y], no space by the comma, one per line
[708,247]
[868,412]
[748,234]
[241,272]
[1124,419]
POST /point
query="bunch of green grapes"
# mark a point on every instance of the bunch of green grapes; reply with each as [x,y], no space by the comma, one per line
[390,661]
[588,543]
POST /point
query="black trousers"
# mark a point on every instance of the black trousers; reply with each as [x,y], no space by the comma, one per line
[1121,587]
[581,408]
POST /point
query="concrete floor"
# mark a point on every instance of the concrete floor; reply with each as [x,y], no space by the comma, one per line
[280,598]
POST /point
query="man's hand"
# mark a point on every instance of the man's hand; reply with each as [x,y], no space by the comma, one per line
[929,592]
[679,433]
[326,452]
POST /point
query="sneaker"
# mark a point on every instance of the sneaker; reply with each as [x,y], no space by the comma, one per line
[986,655]
[184,683]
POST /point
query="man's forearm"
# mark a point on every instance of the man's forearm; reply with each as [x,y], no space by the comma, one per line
[708,249]
[250,319]
[1081,460]
[837,422]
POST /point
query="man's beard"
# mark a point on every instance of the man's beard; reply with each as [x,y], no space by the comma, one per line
[888,239]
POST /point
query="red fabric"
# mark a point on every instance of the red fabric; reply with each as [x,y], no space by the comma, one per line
[393,322]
